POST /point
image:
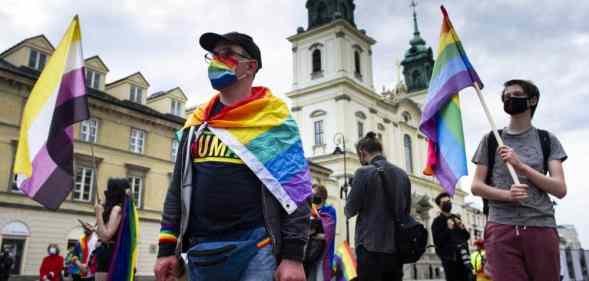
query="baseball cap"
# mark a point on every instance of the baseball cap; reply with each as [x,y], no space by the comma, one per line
[209,40]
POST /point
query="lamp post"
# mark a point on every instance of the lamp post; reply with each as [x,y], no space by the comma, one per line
[343,194]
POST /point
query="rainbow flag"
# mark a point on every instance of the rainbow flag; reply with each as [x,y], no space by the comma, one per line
[124,258]
[345,263]
[261,131]
[44,158]
[441,119]
[328,216]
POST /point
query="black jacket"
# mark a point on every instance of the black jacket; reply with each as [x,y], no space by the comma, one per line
[375,229]
[446,240]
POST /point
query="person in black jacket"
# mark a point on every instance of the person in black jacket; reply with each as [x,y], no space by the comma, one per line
[5,265]
[376,244]
[450,239]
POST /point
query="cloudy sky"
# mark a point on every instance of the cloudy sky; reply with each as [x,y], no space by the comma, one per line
[546,41]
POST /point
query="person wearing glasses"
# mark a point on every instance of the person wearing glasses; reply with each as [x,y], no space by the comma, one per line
[224,209]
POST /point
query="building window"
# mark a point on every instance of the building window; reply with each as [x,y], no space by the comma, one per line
[92,79]
[12,178]
[176,107]
[37,60]
[360,129]
[14,245]
[137,140]
[136,94]
[318,129]
[136,183]
[357,64]
[316,61]
[89,130]
[175,145]
[408,154]
[84,184]
[13,185]
[406,116]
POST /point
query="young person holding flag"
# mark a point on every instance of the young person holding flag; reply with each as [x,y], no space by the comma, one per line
[521,237]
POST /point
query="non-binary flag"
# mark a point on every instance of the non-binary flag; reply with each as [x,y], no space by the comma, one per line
[441,120]
[44,158]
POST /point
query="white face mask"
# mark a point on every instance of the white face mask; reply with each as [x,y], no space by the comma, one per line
[52,251]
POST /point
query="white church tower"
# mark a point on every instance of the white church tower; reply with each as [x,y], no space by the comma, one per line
[333,98]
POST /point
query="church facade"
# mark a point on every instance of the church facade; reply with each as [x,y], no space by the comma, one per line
[335,103]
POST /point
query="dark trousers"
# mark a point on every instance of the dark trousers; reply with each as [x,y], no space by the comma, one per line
[374,266]
[456,271]
[522,253]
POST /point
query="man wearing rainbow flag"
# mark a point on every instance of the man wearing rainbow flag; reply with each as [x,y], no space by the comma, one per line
[238,201]
[521,238]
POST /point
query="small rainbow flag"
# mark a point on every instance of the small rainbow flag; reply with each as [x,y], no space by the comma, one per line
[345,263]
[124,261]
[441,120]
[262,132]
[44,158]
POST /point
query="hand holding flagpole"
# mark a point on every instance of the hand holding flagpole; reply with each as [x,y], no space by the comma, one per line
[495,132]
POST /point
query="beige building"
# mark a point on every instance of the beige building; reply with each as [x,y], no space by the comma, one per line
[474,220]
[133,136]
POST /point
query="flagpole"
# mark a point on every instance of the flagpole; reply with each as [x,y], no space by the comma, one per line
[495,132]
[94,174]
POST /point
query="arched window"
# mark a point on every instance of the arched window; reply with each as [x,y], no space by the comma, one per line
[316,61]
[408,154]
[357,63]
[406,116]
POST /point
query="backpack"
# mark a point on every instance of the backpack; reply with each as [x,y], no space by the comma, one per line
[411,235]
[492,148]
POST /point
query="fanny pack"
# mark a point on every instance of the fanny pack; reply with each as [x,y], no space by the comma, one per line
[224,260]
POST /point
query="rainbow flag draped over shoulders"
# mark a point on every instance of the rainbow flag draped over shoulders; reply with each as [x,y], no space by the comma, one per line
[124,258]
[44,158]
[345,263]
[328,216]
[441,119]
[262,132]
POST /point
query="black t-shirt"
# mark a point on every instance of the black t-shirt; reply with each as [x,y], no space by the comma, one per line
[226,195]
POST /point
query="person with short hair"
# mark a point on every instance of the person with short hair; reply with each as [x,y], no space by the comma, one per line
[521,237]
[52,265]
[451,241]
[319,255]
[238,198]
[375,239]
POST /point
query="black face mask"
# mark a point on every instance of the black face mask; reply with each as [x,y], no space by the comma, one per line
[515,105]
[446,207]
[316,199]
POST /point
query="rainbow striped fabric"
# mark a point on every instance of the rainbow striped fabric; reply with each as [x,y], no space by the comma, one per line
[261,131]
[345,263]
[44,158]
[441,119]
[124,258]
[222,71]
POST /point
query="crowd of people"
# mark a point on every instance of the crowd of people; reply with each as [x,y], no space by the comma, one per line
[89,258]
[237,212]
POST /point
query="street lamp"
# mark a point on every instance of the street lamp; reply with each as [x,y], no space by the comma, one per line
[343,194]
